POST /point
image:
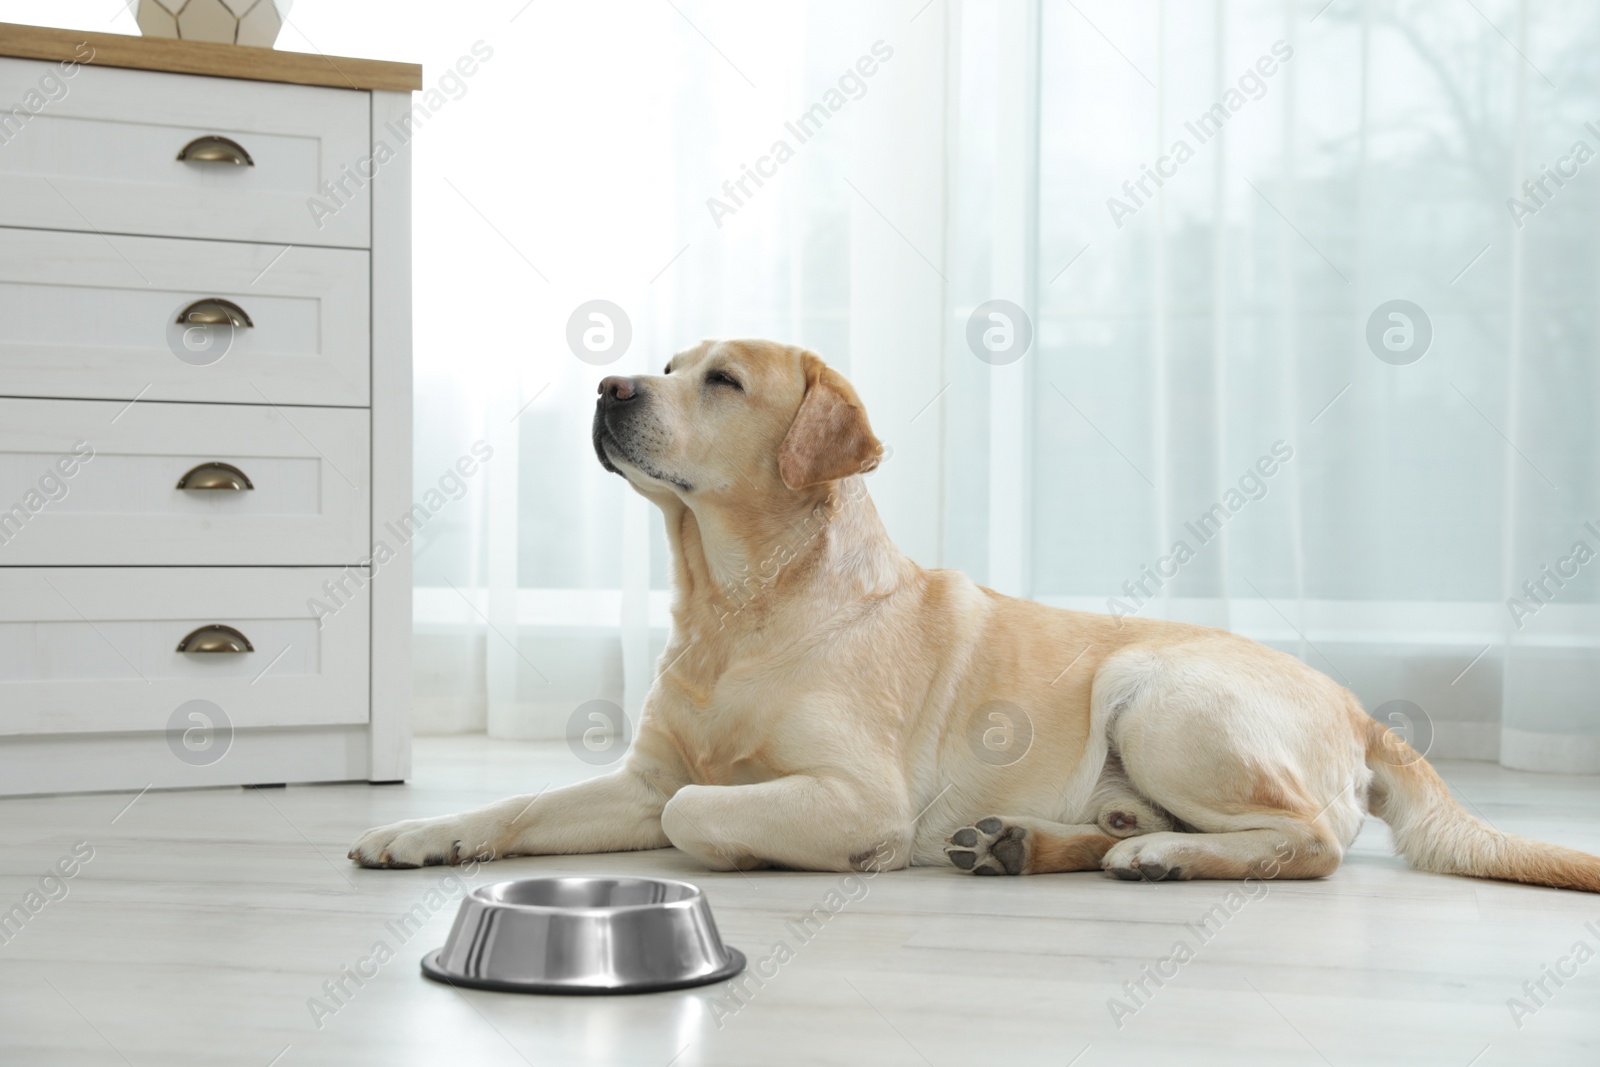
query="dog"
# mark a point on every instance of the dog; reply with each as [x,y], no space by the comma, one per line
[826,704]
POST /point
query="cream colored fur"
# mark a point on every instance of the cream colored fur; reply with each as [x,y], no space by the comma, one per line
[826,704]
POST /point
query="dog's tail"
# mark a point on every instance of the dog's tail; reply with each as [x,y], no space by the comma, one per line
[1435,833]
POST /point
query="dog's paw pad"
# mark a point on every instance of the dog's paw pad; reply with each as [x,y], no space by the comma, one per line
[1148,872]
[1010,851]
[989,847]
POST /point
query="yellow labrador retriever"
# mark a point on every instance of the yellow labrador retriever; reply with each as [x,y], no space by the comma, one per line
[826,704]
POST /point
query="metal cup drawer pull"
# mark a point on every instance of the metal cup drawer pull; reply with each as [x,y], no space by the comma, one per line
[216,638]
[216,475]
[214,148]
[214,311]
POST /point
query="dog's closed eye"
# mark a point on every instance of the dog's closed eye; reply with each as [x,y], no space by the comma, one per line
[721,377]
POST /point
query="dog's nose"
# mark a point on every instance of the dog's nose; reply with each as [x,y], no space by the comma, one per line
[616,387]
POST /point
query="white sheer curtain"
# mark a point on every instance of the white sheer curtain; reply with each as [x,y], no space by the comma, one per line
[1229,311]
[1200,373]
[1211,351]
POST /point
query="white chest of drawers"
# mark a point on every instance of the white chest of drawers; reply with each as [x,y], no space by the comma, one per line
[205,415]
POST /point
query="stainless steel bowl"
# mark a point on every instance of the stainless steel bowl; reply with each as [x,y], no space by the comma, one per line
[583,935]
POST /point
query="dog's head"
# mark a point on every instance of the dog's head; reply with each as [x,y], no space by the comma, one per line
[753,419]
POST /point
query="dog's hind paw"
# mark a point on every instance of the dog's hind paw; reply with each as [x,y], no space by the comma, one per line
[1143,860]
[989,846]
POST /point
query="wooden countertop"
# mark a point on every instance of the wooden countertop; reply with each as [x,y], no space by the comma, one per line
[204,57]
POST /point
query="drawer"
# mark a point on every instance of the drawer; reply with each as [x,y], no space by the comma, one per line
[83,315]
[95,482]
[103,156]
[95,649]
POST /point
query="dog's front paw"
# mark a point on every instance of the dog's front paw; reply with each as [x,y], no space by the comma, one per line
[420,843]
[989,846]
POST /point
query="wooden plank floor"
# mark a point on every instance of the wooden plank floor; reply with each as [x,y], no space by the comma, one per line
[204,927]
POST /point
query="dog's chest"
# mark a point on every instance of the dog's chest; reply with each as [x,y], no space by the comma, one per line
[728,741]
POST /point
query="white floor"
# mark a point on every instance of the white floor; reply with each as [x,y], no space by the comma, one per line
[207,921]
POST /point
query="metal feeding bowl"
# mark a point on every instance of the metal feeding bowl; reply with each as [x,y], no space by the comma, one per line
[583,935]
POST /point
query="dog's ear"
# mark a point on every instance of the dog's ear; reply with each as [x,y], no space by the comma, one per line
[830,437]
